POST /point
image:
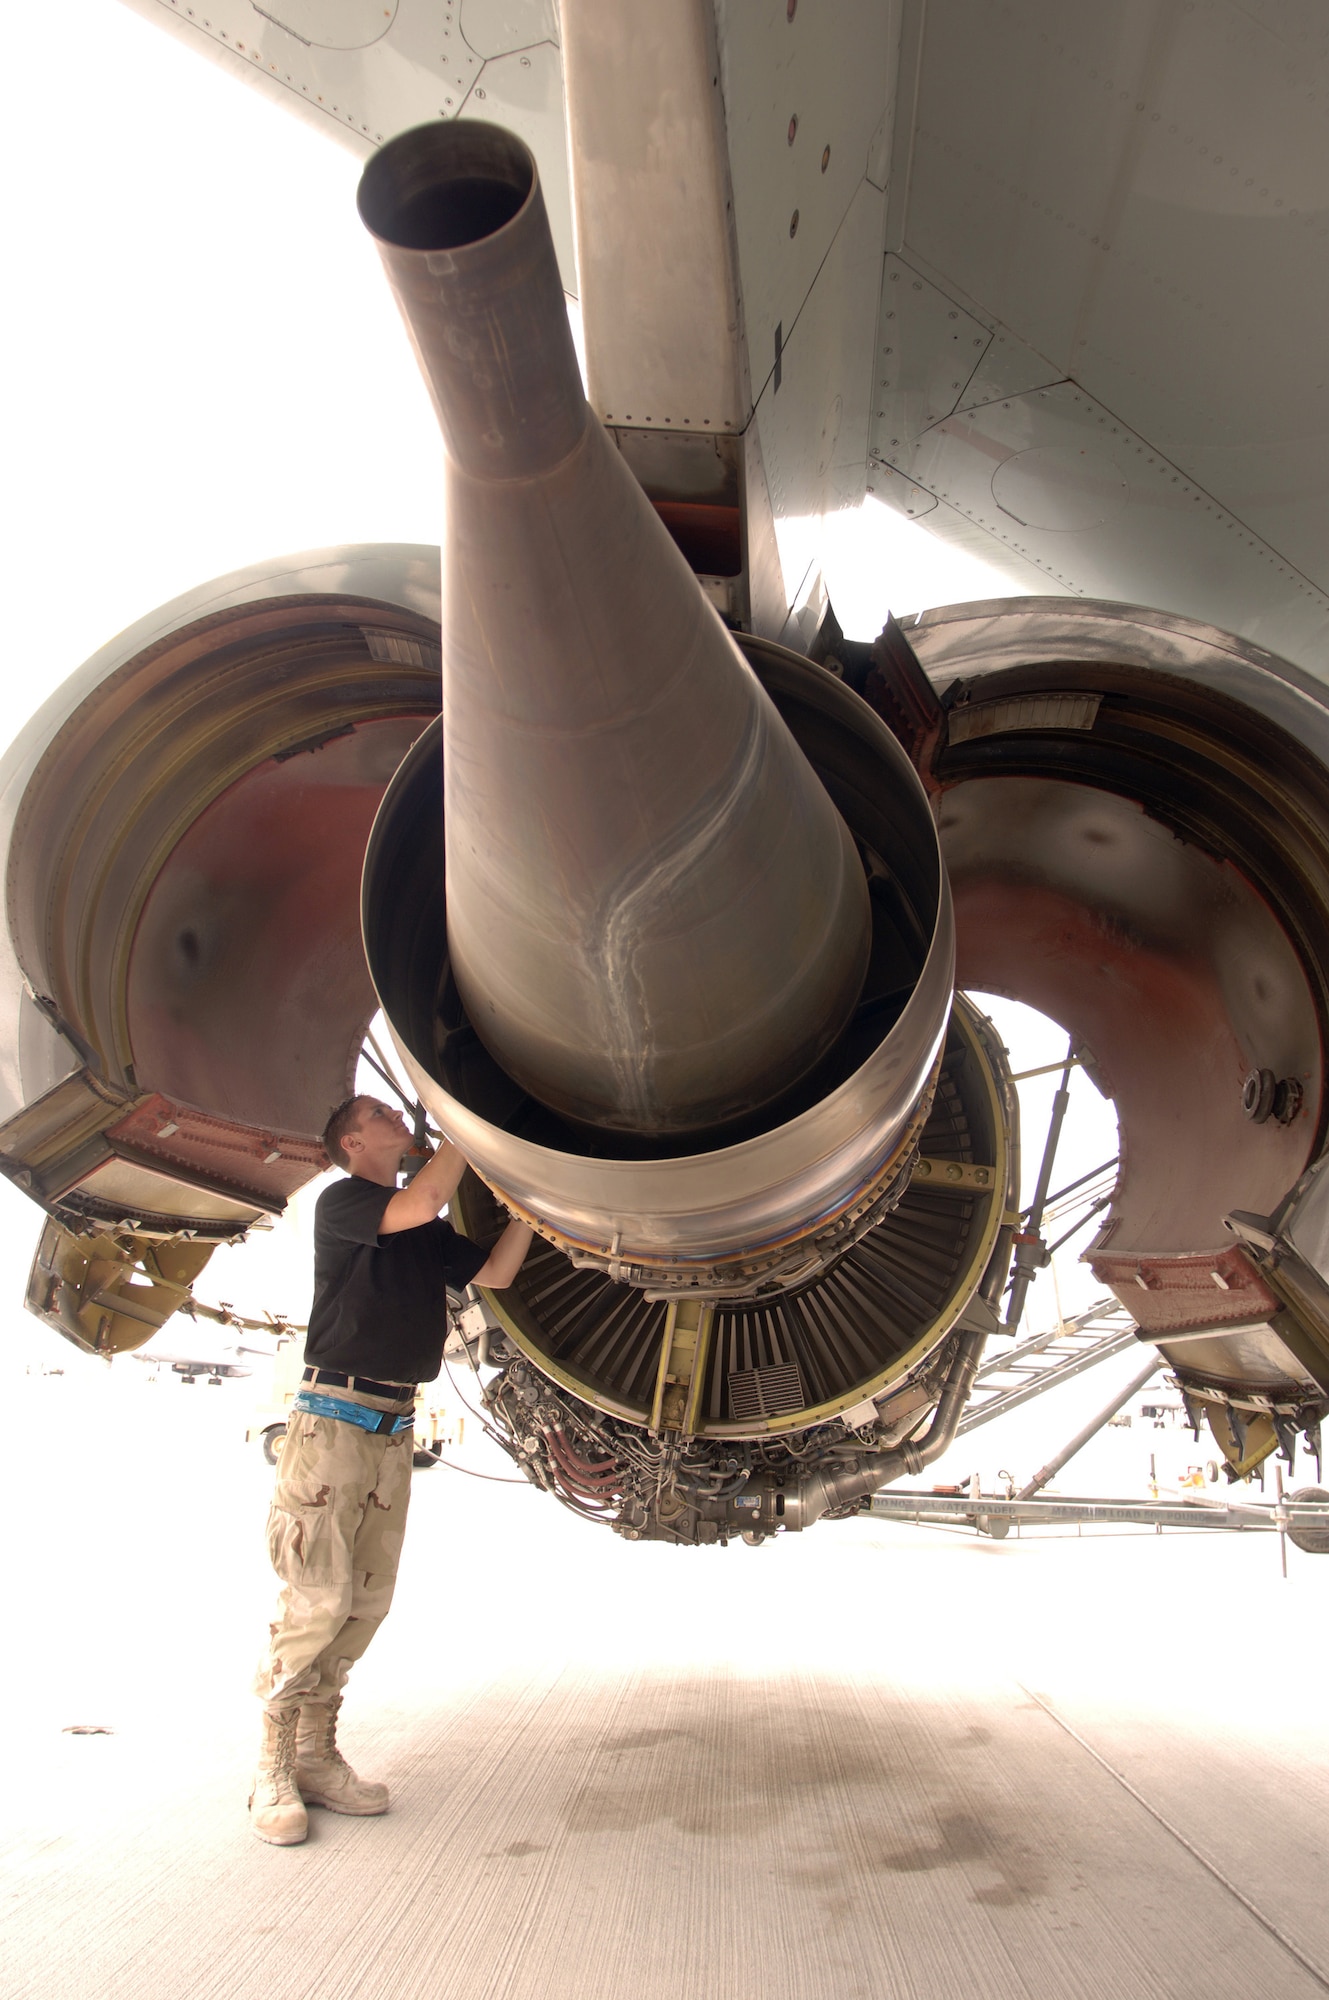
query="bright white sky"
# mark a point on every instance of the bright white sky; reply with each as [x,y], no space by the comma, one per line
[205,368]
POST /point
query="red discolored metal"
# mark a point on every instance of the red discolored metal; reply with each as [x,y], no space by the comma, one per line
[1179,1294]
[265,1167]
[247,989]
[710,537]
[1163,1044]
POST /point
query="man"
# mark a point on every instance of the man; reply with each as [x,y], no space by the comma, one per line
[382,1263]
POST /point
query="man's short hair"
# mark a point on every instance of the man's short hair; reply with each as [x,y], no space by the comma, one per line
[346,1118]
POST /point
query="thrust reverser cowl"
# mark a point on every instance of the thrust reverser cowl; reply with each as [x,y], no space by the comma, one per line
[657,919]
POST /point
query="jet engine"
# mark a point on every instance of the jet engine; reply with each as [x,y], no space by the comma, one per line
[666,920]
[658,919]
[631,967]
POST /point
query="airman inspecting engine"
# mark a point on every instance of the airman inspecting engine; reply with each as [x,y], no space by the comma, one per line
[383,1263]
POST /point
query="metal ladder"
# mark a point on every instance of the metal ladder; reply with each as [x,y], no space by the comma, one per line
[1026,1371]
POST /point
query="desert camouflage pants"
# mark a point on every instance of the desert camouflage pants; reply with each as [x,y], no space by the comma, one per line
[334,1535]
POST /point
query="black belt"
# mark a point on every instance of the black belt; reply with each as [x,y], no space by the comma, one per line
[396,1392]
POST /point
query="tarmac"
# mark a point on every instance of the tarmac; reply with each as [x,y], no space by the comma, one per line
[867,1761]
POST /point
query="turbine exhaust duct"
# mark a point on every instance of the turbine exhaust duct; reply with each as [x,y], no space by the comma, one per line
[657,921]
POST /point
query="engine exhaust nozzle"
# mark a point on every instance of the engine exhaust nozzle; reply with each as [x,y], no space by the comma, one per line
[656,918]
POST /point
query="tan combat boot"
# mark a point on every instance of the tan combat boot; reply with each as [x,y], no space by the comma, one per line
[277,1810]
[322,1773]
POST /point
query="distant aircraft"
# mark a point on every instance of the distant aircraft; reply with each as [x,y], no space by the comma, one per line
[1045,279]
[191,1369]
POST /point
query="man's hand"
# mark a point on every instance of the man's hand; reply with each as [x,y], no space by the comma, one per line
[431,1190]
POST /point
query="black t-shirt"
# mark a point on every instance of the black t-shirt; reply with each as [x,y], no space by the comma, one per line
[380,1304]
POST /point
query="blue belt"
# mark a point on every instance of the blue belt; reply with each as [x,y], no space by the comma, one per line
[381,1422]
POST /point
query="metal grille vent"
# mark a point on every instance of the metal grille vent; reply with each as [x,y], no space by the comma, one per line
[765,1392]
[399,649]
[1034,711]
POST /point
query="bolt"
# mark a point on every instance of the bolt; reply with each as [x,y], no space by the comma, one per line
[1257,1095]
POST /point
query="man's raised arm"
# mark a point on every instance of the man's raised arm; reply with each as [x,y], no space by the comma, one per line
[431,1190]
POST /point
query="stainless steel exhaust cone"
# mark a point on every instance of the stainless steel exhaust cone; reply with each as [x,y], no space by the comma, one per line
[751,1210]
[656,919]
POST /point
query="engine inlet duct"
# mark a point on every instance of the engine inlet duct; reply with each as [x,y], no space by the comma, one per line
[657,921]
[683,998]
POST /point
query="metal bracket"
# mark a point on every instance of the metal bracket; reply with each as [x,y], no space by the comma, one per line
[956,1174]
[684,1347]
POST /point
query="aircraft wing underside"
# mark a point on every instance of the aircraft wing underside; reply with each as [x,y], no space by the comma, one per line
[1044,278]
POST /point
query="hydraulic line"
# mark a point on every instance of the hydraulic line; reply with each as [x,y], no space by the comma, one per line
[1030,1251]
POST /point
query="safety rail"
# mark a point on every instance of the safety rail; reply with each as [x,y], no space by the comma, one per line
[980,1510]
[1048,1359]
